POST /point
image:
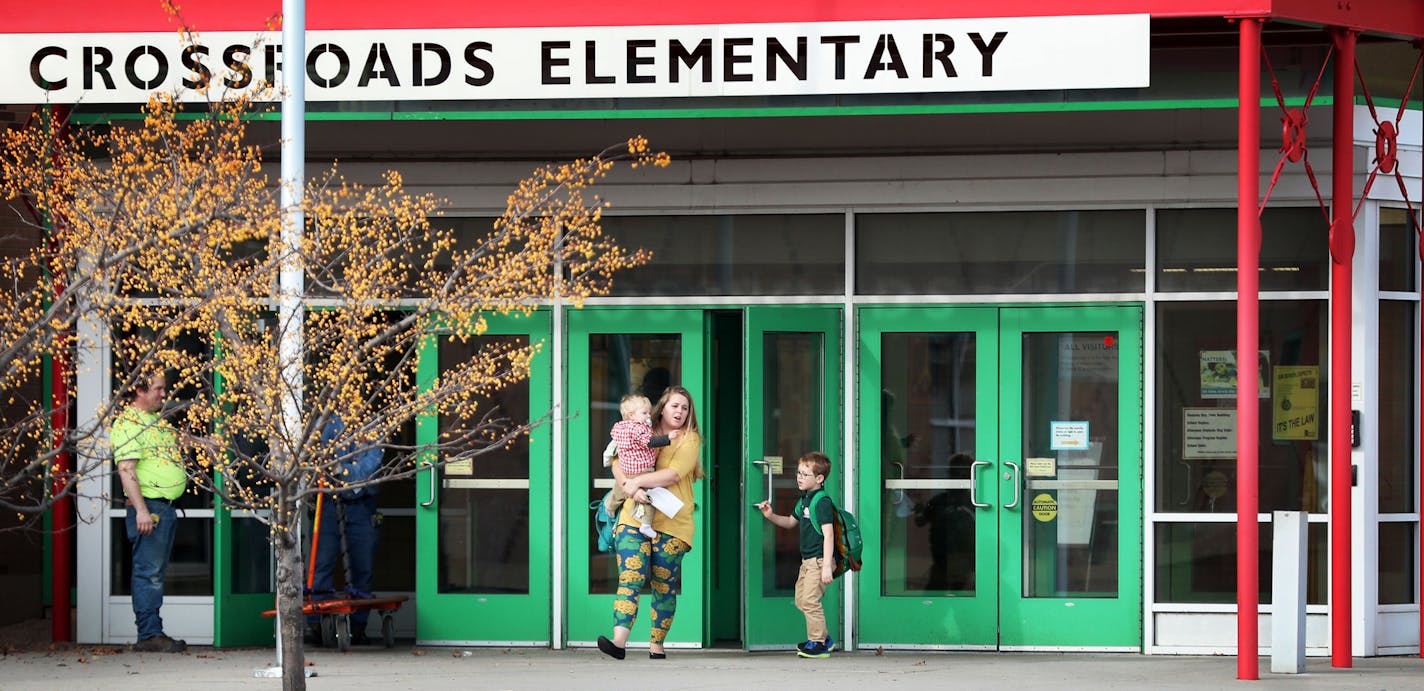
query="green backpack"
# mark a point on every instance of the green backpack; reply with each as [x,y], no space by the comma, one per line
[847,538]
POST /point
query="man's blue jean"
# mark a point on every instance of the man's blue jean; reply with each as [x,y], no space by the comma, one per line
[150,561]
[361,541]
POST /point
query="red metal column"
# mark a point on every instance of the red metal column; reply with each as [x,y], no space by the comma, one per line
[1248,260]
[62,512]
[1342,252]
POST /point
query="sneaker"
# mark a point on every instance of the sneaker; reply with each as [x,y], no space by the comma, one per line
[802,645]
[816,649]
[830,644]
[160,644]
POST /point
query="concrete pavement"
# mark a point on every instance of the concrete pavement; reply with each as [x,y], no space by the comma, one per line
[424,668]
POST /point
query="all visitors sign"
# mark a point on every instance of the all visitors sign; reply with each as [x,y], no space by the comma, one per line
[591,62]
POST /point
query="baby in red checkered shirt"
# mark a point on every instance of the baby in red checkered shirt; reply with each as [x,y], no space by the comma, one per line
[634,444]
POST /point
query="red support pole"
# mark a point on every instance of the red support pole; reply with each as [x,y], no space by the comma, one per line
[62,511]
[1342,253]
[1248,283]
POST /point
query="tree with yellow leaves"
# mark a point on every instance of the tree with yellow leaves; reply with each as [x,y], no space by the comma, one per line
[175,231]
[83,230]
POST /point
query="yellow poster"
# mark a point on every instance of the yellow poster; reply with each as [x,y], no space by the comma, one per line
[1295,406]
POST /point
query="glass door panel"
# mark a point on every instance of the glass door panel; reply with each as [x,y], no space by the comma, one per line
[614,352]
[1071,562]
[1004,509]
[482,528]
[621,364]
[928,412]
[793,384]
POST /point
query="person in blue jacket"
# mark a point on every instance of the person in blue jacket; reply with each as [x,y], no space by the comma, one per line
[353,512]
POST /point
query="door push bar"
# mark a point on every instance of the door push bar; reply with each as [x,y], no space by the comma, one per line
[974,484]
[430,470]
[766,469]
[1017,485]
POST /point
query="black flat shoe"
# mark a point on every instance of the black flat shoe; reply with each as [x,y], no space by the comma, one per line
[657,656]
[610,649]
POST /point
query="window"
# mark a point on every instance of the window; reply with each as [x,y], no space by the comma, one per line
[1196,454]
[800,254]
[1015,252]
[1196,249]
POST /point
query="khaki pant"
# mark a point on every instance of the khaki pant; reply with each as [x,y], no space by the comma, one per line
[809,590]
[615,499]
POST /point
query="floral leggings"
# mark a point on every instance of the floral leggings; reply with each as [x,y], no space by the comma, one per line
[637,554]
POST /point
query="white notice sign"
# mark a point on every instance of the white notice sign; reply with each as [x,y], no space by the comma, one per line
[1208,433]
[1068,435]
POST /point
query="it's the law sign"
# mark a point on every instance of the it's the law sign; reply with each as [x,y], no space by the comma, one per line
[899,56]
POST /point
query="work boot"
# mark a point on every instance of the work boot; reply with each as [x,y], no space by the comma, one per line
[160,644]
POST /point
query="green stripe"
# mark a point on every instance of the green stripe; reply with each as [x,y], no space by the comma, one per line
[763,111]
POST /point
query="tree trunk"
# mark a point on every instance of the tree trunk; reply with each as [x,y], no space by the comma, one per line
[290,579]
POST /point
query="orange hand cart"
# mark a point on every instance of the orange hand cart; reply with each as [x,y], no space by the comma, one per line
[335,614]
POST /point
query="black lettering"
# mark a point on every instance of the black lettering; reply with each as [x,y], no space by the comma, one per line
[547,62]
[97,61]
[678,54]
[730,59]
[590,65]
[988,51]
[39,57]
[131,67]
[192,59]
[386,70]
[775,51]
[886,57]
[483,66]
[635,61]
[244,72]
[840,42]
[937,49]
[417,55]
[274,62]
[343,63]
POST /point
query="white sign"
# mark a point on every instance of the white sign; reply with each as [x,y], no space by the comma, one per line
[1040,467]
[1068,436]
[1208,433]
[587,62]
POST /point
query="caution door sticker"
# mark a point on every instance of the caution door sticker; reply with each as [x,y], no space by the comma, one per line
[1044,507]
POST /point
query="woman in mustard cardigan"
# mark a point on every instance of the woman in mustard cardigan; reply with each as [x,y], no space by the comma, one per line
[658,559]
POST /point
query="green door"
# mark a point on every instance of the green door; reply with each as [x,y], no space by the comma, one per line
[792,406]
[242,580]
[1001,477]
[243,575]
[613,352]
[1071,426]
[482,525]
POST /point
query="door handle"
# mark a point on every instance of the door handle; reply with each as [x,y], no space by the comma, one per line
[766,469]
[430,470]
[900,493]
[974,485]
[1015,502]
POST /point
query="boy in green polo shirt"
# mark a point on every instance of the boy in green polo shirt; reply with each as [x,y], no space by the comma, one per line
[817,550]
[152,474]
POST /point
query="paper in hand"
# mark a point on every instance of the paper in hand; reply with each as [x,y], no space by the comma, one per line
[664,501]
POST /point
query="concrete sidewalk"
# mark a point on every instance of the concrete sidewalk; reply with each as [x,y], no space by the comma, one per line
[406,667]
